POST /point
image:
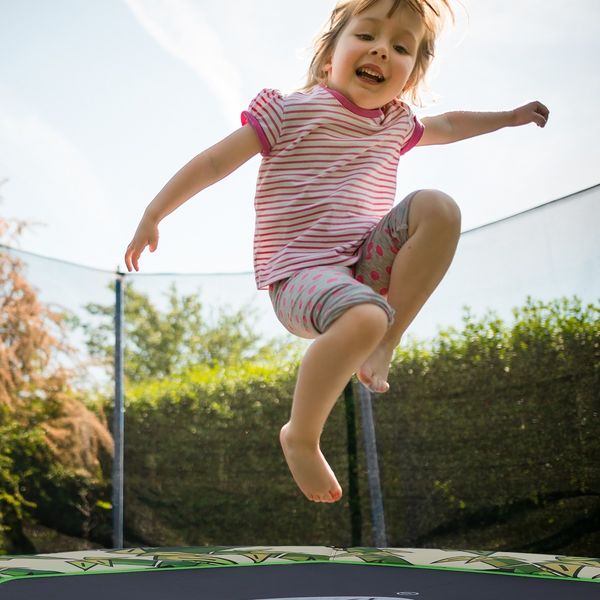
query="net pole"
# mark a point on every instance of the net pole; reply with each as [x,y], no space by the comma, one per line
[118,419]
[377,514]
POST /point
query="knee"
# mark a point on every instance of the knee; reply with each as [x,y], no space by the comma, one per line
[368,320]
[437,207]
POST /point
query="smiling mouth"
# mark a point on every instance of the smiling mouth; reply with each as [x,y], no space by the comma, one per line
[369,75]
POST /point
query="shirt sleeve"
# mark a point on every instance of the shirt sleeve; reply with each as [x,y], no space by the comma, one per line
[417,133]
[265,115]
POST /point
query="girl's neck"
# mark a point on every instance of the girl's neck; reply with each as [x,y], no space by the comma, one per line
[347,103]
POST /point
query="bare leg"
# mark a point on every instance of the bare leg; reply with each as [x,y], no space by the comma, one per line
[326,367]
[419,266]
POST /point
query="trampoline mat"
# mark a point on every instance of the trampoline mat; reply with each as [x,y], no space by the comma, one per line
[297,573]
[314,581]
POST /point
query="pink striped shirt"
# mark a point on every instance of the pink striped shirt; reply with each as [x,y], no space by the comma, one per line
[327,177]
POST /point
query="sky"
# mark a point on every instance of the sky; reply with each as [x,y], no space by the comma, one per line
[103,101]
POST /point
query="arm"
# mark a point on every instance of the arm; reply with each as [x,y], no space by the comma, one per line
[456,126]
[207,168]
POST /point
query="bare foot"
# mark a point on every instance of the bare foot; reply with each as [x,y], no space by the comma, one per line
[309,469]
[374,370]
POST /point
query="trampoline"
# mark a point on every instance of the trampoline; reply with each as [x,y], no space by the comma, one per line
[297,573]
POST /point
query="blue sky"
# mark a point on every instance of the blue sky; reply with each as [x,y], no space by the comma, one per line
[102,101]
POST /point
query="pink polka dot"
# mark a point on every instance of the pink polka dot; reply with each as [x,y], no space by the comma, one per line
[394,249]
[379,250]
[311,289]
[319,306]
[292,288]
[300,289]
[374,275]
[336,293]
[388,269]
[383,291]
[317,277]
[300,304]
[332,280]
[360,279]
[309,305]
[370,247]
[304,276]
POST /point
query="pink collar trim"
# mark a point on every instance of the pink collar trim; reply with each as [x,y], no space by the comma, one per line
[357,110]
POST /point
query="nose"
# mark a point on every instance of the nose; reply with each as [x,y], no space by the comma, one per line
[380,51]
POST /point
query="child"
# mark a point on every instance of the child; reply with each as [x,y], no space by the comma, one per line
[341,265]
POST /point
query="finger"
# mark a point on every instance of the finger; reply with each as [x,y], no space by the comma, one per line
[128,259]
[542,108]
[543,113]
[153,243]
[132,258]
[540,119]
[135,259]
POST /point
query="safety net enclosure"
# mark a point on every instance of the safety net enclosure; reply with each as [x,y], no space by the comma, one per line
[295,573]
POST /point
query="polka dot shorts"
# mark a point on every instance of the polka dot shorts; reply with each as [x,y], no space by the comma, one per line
[311,299]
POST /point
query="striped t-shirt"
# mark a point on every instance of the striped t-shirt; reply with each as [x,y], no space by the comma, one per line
[327,177]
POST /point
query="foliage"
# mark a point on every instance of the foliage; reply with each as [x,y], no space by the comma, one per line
[161,344]
[498,425]
[488,437]
[41,416]
[13,505]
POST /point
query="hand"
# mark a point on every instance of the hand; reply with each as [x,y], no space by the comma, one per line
[145,235]
[534,112]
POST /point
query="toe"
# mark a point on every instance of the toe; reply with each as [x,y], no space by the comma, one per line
[364,378]
[380,386]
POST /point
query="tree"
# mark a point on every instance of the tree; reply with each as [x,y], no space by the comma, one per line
[159,344]
[48,437]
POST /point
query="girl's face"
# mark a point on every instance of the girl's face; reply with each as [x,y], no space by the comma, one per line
[374,55]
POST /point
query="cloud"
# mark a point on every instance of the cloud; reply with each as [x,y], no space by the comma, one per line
[180,27]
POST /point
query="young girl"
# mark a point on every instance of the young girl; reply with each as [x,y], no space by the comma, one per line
[341,265]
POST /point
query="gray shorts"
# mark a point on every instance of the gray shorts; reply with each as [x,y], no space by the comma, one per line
[311,299]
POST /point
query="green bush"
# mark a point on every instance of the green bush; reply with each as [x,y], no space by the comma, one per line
[204,466]
[489,437]
[16,468]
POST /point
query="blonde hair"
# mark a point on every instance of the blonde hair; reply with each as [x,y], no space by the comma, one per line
[431,12]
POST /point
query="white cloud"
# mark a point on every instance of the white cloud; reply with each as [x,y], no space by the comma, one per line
[180,27]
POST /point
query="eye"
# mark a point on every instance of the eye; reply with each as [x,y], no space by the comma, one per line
[401,50]
[367,37]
